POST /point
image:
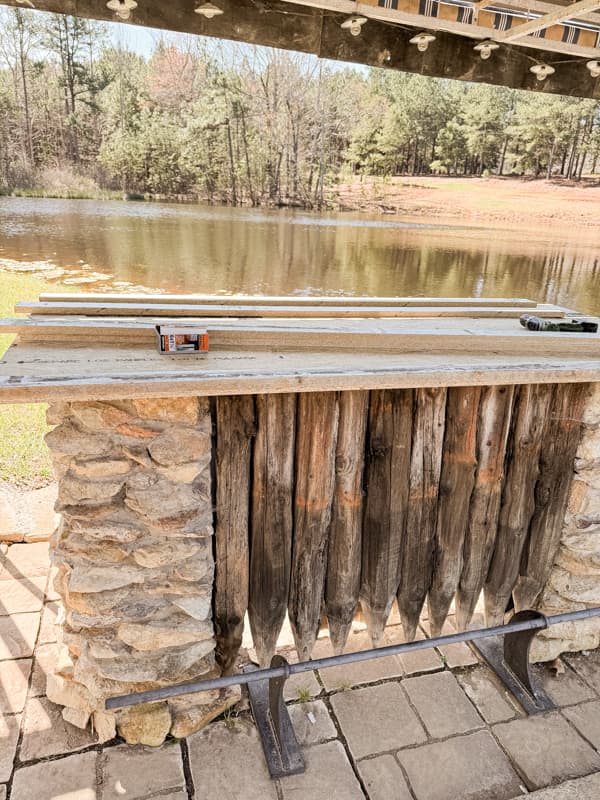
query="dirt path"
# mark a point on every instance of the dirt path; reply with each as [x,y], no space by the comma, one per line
[509,201]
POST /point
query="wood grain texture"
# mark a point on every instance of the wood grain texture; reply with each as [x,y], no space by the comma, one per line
[518,497]
[456,484]
[316,436]
[279,300]
[283,311]
[235,430]
[561,438]
[39,373]
[271,520]
[345,536]
[493,425]
[387,476]
[419,541]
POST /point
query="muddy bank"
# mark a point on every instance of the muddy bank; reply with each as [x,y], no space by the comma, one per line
[509,201]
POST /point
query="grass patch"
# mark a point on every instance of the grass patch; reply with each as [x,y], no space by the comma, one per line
[24,458]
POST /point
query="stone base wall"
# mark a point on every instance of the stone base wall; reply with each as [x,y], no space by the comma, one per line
[134,560]
[574,583]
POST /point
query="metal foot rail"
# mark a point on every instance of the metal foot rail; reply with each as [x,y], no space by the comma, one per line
[504,647]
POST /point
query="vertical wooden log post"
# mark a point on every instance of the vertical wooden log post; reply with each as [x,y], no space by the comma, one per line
[235,429]
[518,497]
[387,485]
[559,446]
[456,485]
[492,434]
[315,470]
[426,462]
[345,538]
[271,520]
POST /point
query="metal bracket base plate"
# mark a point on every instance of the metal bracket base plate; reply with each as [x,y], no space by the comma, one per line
[282,752]
[492,652]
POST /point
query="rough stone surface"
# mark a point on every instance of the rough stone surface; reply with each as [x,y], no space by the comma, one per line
[146,724]
[14,680]
[469,767]
[575,578]
[221,746]
[133,561]
[312,723]
[361,672]
[441,704]
[565,688]
[27,516]
[487,696]
[328,775]
[72,778]
[136,773]
[45,732]
[581,789]
[586,718]
[383,779]
[546,749]
[9,735]
[376,719]
[22,596]
[17,635]
[192,712]
[587,667]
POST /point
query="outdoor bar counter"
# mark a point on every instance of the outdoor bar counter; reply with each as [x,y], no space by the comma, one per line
[325,452]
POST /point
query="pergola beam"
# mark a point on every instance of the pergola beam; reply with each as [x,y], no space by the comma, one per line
[561,14]
[314,26]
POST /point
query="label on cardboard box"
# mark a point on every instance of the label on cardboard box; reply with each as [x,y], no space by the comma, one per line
[181,339]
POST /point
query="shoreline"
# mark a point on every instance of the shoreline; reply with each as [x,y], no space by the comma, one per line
[491,201]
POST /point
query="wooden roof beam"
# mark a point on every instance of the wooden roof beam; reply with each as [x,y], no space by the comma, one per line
[559,15]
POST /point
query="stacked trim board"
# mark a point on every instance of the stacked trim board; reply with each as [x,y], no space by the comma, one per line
[370,324]
[104,346]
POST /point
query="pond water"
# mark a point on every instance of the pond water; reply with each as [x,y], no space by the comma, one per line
[207,249]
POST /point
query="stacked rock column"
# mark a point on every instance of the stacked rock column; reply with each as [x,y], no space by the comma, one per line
[574,583]
[134,563]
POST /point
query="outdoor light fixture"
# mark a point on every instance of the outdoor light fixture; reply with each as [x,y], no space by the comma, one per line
[422,40]
[541,71]
[354,24]
[594,68]
[486,48]
[208,10]
[122,8]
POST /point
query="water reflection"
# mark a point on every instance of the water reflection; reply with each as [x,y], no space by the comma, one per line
[202,249]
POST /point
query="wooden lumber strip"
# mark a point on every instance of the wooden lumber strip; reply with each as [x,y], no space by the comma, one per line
[271,520]
[419,541]
[492,433]
[235,429]
[282,311]
[518,497]
[287,300]
[316,437]
[345,536]
[387,487]
[559,447]
[456,484]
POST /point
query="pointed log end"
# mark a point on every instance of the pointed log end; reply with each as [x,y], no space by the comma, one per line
[265,649]
[410,629]
[465,608]
[304,645]
[375,623]
[435,627]
[338,634]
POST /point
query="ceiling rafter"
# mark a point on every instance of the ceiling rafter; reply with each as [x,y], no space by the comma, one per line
[559,15]
[474,31]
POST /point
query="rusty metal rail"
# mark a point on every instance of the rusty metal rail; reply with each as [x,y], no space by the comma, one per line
[505,648]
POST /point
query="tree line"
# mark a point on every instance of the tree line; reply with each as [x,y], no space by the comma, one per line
[242,124]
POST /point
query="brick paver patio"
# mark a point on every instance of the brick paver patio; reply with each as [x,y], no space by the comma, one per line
[429,726]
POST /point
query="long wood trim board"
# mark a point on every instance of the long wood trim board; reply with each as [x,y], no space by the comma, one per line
[230,310]
[34,373]
[284,300]
[388,335]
